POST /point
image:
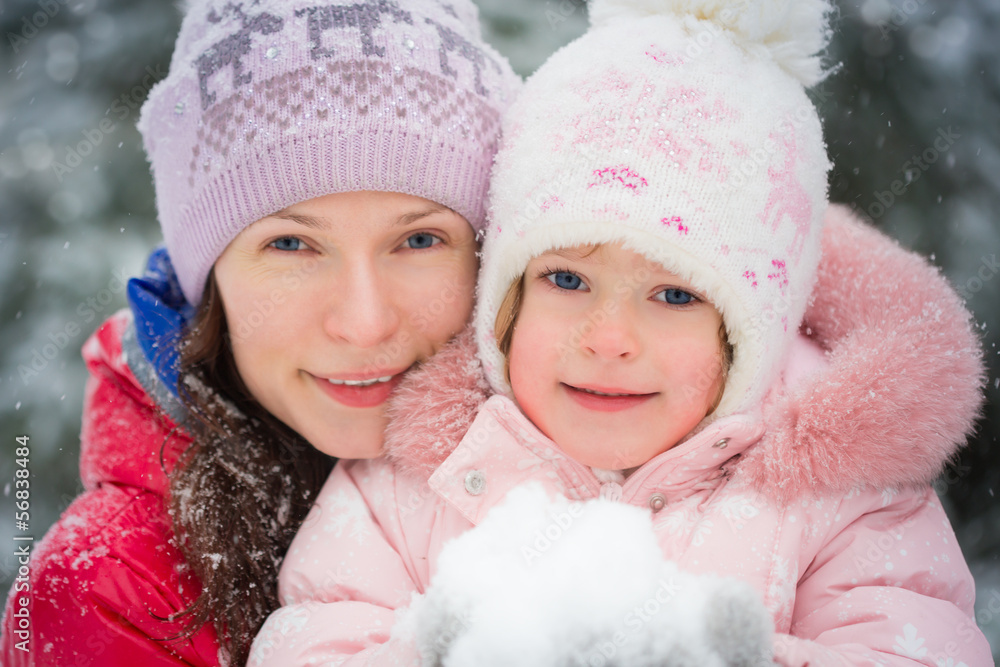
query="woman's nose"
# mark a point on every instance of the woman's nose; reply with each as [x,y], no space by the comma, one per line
[363,311]
[610,331]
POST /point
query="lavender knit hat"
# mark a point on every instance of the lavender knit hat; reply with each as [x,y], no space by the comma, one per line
[272,102]
[681,129]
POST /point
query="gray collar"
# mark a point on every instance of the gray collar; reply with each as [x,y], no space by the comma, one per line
[150,380]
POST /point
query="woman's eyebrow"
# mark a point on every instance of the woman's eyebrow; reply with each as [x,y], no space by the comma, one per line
[318,223]
[410,218]
[307,220]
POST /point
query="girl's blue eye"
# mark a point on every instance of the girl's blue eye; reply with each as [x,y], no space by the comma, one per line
[677,297]
[287,243]
[565,280]
[422,240]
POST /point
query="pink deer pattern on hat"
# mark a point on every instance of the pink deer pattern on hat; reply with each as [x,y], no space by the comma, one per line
[788,199]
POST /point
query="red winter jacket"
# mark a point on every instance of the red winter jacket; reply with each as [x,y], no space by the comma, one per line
[107,569]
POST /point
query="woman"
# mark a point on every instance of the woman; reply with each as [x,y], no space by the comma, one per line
[320,174]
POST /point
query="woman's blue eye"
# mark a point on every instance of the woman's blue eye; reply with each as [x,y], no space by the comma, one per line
[287,243]
[565,280]
[422,240]
[677,297]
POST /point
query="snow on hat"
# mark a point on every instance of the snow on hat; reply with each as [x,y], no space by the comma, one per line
[682,130]
[278,101]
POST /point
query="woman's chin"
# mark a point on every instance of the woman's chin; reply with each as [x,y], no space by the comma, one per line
[359,438]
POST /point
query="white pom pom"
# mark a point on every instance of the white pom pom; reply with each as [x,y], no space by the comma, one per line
[794,32]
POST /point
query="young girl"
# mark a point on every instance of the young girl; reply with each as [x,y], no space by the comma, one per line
[321,171]
[655,328]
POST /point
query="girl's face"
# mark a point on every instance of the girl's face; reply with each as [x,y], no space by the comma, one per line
[613,323]
[339,290]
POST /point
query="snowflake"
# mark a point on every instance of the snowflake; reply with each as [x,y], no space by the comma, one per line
[342,512]
[738,510]
[701,530]
[909,645]
[950,662]
[675,522]
[888,495]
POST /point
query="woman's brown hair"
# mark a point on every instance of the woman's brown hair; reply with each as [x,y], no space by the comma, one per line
[240,491]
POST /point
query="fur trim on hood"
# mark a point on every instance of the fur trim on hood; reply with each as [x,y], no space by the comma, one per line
[903,385]
[434,406]
[900,392]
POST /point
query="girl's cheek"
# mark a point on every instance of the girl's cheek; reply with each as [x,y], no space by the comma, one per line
[698,361]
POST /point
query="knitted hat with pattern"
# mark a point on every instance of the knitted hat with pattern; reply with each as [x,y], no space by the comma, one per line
[682,130]
[272,102]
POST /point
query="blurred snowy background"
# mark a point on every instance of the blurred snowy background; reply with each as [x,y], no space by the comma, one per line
[77,210]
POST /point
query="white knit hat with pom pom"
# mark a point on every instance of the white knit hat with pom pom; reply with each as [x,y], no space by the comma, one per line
[680,128]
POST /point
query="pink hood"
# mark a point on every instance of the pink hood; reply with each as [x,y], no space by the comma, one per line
[896,397]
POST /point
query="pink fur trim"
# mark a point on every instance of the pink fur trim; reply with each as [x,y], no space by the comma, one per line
[903,385]
[434,406]
[898,397]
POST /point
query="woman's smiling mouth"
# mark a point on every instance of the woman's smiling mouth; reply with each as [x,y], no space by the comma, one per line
[362,392]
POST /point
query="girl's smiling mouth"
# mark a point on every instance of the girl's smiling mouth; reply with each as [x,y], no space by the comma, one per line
[605,399]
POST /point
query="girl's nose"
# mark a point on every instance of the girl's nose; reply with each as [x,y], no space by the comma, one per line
[363,311]
[610,332]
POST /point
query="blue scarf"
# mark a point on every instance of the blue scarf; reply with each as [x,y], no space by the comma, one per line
[161,313]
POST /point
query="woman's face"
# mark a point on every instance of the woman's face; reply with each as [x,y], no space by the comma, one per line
[331,301]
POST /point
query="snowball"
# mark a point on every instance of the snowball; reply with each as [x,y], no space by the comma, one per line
[545,581]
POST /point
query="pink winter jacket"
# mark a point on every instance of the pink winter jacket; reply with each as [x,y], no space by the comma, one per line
[822,500]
